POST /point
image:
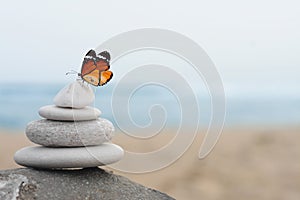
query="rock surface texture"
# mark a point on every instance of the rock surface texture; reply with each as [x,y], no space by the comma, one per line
[87,183]
[69,134]
[59,158]
[66,114]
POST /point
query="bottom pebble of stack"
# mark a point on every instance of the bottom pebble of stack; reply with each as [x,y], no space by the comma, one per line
[77,157]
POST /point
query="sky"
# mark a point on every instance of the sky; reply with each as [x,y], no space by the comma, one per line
[249,41]
[254,45]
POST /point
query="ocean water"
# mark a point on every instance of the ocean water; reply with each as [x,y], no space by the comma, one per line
[19,104]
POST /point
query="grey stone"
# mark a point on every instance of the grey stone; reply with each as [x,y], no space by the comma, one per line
[75,95]
[69,134]
[9,186]
[76,157]
[90,183]
[69,114]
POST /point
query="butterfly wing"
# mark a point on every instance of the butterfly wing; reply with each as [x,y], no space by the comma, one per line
[102,61]
[104,55]
[94,68]
[105,76]
[102,65]
[89,71]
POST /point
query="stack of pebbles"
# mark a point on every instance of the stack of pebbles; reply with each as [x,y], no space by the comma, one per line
[72,135]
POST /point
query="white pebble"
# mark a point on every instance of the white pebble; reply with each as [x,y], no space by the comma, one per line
[75,95]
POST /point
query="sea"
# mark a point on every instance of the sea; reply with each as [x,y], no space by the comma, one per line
[20,102]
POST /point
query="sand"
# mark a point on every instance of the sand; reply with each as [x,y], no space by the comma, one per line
[260,163]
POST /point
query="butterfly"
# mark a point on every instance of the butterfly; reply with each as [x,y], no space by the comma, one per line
[95,68]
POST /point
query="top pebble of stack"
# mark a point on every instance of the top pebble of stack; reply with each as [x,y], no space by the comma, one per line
[75,95]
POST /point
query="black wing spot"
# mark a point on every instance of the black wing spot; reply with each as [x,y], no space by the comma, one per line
[91,53]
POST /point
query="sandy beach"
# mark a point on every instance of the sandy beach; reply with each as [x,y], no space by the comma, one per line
[261,163]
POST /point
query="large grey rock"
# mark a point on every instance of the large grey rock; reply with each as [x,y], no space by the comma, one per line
[69,114]
[90,183]
[69,134]
[78,157]
[75,95]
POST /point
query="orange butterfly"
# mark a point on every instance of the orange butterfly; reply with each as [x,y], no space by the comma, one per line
[95,67]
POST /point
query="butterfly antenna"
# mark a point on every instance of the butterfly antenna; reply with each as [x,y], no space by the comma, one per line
[72,72]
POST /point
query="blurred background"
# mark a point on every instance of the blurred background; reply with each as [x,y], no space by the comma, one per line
[254,45]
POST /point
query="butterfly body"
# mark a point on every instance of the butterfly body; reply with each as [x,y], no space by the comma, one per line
[95,68]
